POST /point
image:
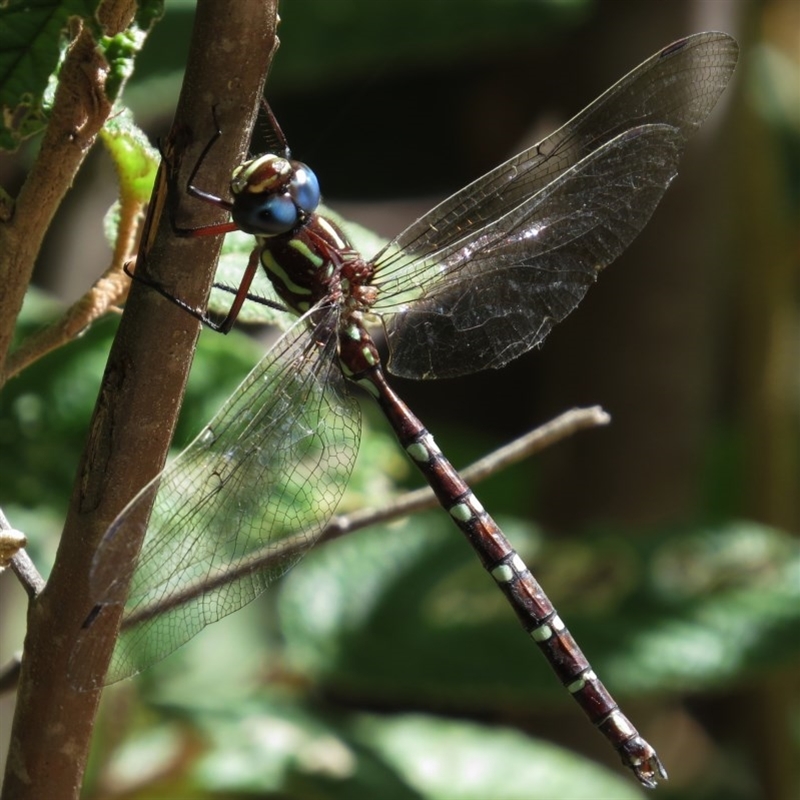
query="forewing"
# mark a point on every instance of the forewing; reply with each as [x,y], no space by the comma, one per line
[672,92]
[236,509]
[502,292]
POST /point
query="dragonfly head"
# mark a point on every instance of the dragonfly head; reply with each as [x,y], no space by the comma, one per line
[273,195]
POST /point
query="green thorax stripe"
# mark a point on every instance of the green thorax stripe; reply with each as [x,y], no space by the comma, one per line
[275,270]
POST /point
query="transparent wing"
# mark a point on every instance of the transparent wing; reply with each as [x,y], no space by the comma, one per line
[506,289]
[233,511]
[434,275]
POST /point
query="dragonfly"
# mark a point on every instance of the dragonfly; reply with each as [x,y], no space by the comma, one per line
[471,285]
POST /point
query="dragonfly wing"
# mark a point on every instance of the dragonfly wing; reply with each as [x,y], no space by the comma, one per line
[503,291]
[675,88]
[236,509]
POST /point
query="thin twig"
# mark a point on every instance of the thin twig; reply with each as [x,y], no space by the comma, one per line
[12,554]
[533,442]
[23,567]
[79,110]
[107,293]
[561,427]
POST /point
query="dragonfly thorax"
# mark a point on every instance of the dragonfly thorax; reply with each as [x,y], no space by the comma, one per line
[316,262]
[273,195]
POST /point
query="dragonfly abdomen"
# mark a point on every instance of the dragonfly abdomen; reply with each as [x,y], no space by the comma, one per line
[533,608]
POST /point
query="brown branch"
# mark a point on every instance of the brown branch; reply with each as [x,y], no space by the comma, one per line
[561,427]
[107,294]
[139,397]
[12,554]
[79,110]
[23,567]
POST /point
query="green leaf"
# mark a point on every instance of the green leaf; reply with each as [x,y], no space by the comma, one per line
[261,744]
[269,745]
[727,601]
[144,758]
[120,52]
[136,162]
[447,760]
[407,614]
[32,42]
[44,412]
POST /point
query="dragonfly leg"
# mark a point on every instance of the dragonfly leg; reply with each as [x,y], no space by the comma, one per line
[240,295]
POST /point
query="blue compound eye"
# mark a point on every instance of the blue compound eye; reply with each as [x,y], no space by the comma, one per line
[278,214]
[266,216]
[273,195]
[304,188]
